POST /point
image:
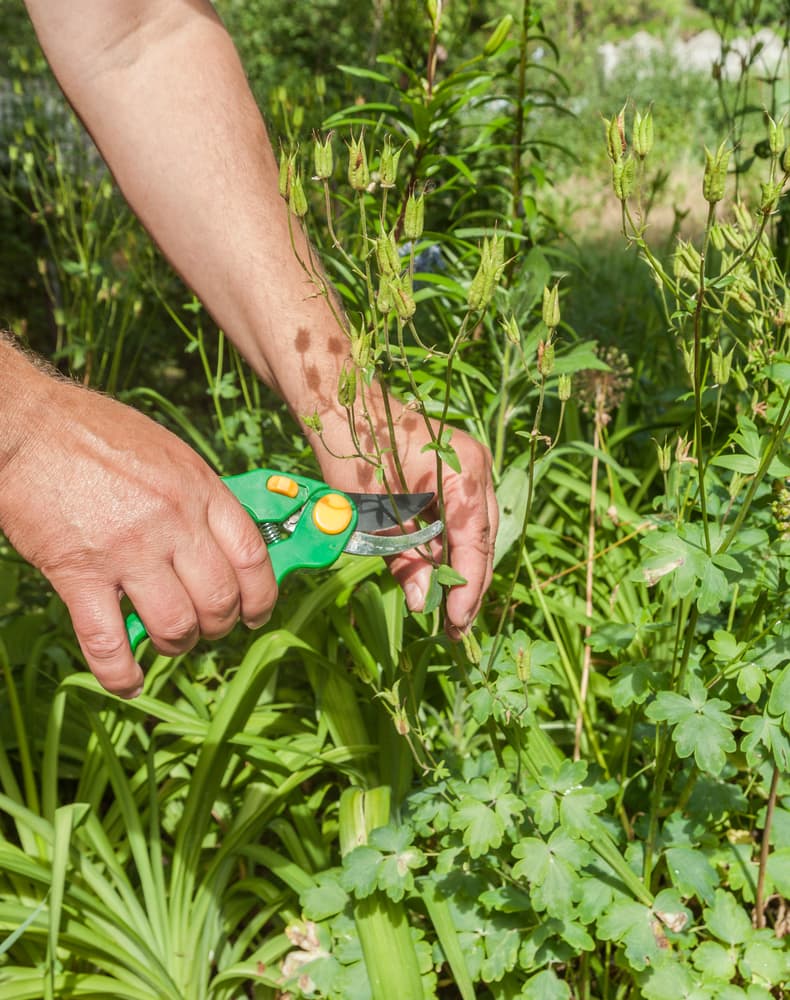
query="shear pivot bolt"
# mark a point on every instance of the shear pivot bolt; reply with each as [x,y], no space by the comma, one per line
[332,513]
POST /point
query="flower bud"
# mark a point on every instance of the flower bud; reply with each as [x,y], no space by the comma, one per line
[564,386]
[715,176]
[358,171]
[414,217]
[545,357]
[769,196]
[320,86]
[435,13]
[551,306]
[323,158]
[642,140]
[388,164]
[313,422]
[498,36]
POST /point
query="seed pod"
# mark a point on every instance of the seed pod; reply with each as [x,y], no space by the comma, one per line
[388,164]
[320,86]
[489,272]
[664,456]
[551,306]
[360,347]
[287,166]
[715,176]
[615,136]
[776,135]
[512,332]
[498,36]
[385,297]
[564,387]
[624,178]
[323,157]
[358,171]
[387,254]
[717,239]
[721,364]
[545,357]
[405,306]
[347,388]
[769,196]
[642,139]
[297,199]
[414,217]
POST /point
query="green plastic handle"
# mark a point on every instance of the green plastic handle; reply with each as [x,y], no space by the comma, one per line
[271,498]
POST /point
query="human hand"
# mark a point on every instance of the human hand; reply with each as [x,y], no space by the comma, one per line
[107,502]
[470,511]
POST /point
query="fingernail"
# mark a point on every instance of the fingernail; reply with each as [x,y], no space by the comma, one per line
[256,623]
[133,694]
[415,599]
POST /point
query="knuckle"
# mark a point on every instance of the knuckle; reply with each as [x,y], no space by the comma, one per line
[102,646]
[251,554]
[179,633]
[221,604]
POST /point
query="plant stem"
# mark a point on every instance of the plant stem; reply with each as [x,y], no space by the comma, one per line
[765,847]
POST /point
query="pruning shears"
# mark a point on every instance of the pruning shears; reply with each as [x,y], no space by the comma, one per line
[307,524]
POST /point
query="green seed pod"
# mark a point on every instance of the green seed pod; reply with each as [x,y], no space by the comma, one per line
[643,136]
[545,358]
[414,217]
[387,254]
[286,173]
[769,196]
[615,136]
[551,306]
[320,86]
[358,171]
[323,157]
[512,332]
[624,177]
[388,165]
[721,365]
[776,135]
[385,297]
[664,456]
[718,242]
[313,422]
[715,176]
[434,8]
[484,283]
[347,388]
[297,200]
[498,36]
[361,347]
[405,306]
[564,387]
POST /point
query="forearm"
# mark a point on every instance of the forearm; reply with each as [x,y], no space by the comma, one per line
[24,391]
[161,89]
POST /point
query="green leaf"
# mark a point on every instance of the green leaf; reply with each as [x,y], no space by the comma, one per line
[714,961]
[360,871]
[726,919]
[692,873]
[779,702]
[767,960]
[637,928]
[701,726]
[479,824]
[778,869]
[324,899]
[545,985]
[577,808]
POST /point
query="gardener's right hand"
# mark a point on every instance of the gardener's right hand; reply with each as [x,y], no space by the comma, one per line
[106,502]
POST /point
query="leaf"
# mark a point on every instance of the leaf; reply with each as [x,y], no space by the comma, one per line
[360,871]
[481,827]
[726,919]
[701,727]
[324,899]
[778,869]
[637,928]
[692,873]
[577,809]
[779,702]
[545,985]
[714,961]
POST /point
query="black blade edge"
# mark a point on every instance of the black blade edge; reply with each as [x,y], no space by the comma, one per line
[378,511]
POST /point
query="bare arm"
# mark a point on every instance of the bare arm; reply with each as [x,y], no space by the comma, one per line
[159,85]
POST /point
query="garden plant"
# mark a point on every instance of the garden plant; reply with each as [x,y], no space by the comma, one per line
[586,797]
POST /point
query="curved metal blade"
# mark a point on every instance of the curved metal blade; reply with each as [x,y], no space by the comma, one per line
[377,511]
[361,544]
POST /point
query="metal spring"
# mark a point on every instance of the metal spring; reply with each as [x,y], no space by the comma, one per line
[270,532]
